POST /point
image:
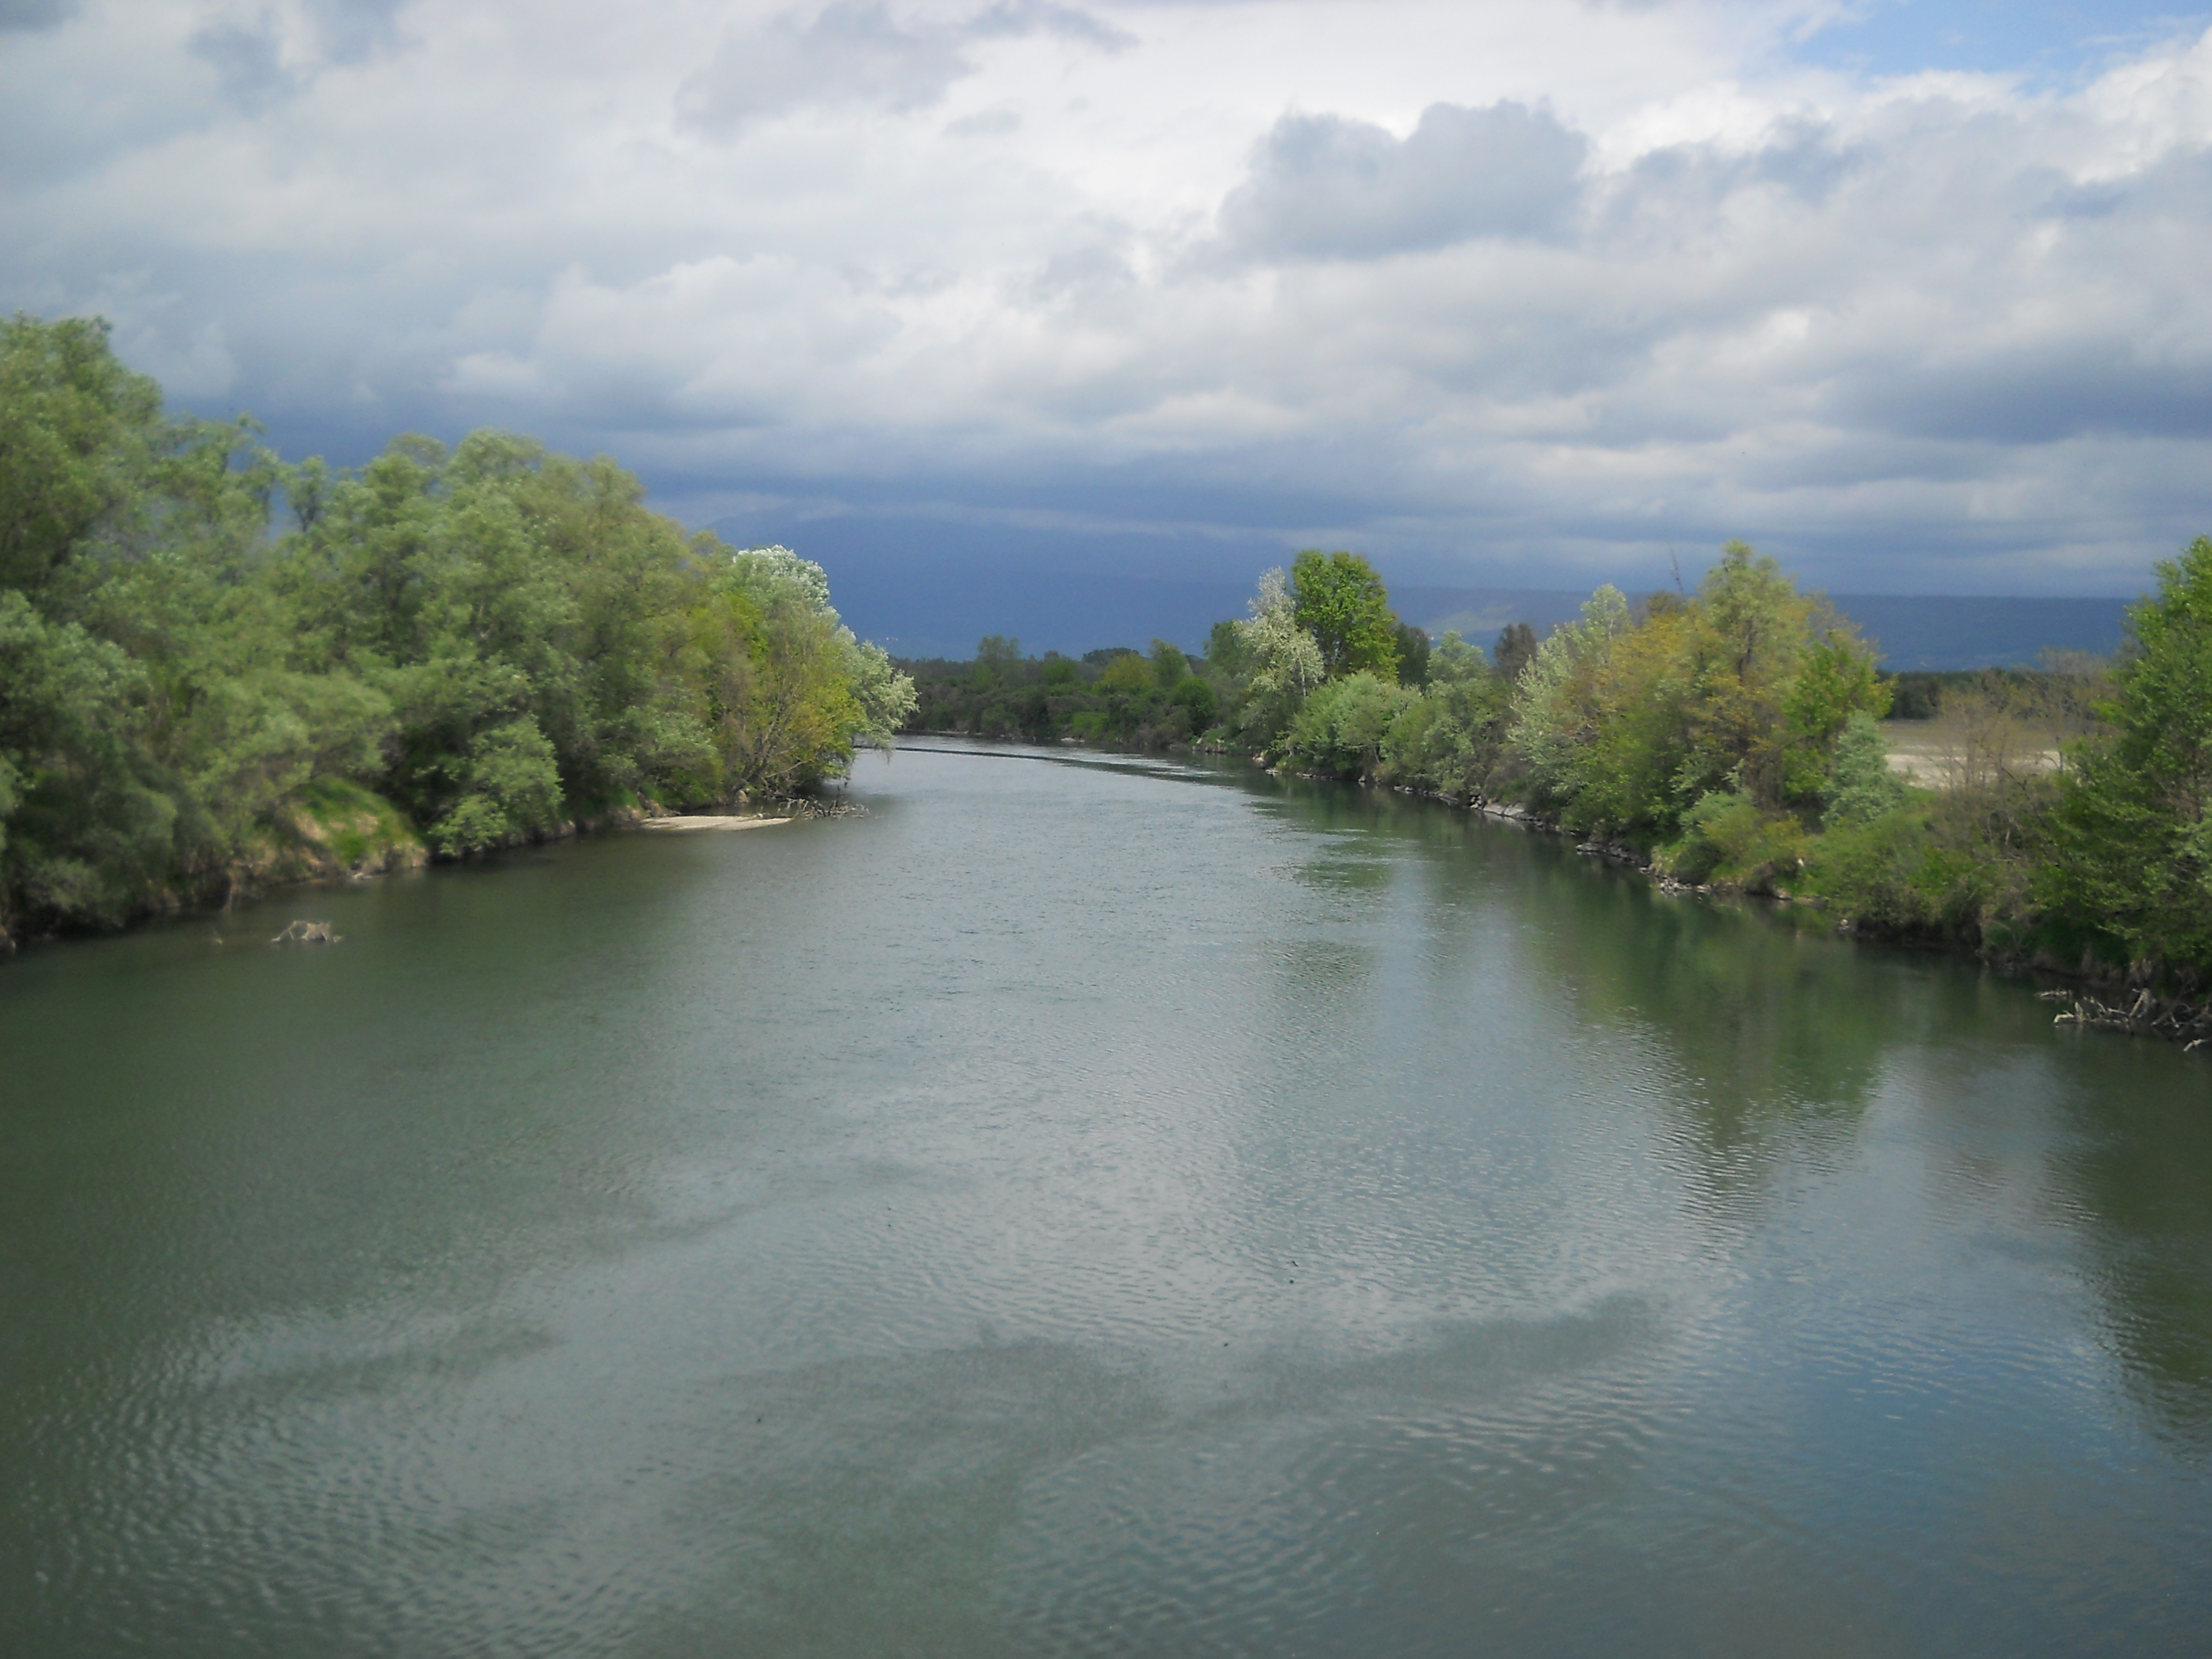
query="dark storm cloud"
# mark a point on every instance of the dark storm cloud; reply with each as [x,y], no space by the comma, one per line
[1322,186]
[27,15]
[2039,395]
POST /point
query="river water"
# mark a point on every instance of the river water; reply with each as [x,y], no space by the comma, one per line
[1086,1206]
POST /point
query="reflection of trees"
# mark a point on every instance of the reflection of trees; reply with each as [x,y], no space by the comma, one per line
[1769,1023]
[1771,1032]
[2144,1174]
[1771,1026]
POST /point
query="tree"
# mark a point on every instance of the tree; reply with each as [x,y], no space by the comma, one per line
[1412,655]
[1861,785]
[997,659]
[1451,739]
[1287,662]
[1554,715]
[78,434]
[1517,644]
[494,639]
[1338,599]
[2134,833]
[1200,706]
[1342,727]
[88,822]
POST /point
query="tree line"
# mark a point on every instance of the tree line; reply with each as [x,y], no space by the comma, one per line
[457,648]
[1726,737]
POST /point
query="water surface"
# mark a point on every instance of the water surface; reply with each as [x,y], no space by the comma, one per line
[1087,1208]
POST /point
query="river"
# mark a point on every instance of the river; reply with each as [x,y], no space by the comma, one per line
[1086,1206]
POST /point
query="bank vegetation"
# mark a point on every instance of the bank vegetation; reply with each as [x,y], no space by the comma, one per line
[1726,737]
[219,670]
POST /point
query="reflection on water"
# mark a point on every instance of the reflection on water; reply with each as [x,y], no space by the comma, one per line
[2140,1174]
[1087,1207]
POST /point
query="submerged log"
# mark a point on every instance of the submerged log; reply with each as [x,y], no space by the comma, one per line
[307,932]
[2146,1014]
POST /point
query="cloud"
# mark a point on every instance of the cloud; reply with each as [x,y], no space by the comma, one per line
[1322,186]
[1014,19]
[984,124]
[24,16]
[352,31]
[852,53]
[1520,292]
[259,65]
[249,63]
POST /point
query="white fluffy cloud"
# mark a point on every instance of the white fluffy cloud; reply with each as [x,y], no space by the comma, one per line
[1517,293]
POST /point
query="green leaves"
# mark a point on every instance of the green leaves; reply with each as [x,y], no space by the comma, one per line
[1860,785]
[510,791]
[2137,856]
[497,638]
[1342,726]
[78,433]
[91,819]
[1338,599]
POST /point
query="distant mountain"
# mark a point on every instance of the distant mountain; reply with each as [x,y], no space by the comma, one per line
[940,607]
[1912,631]
[1918,631]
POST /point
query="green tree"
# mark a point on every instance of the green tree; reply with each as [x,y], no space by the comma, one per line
[1412,655]
[1228,655]
[1169,665]
[90,825]
[1200,705]
[1342,727]
[1861,784]
[1554,711]
[79,433]
[1517,644]
[998,660]
[1338,599]
[497,638]
[1285,662]
[2133,831]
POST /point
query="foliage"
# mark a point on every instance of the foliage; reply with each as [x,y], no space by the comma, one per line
[491,642]
[1728,836]
[1860,786]
[1554,708]
[78,434]
[1413,649]
[1338,599]
[1517,644]
[1341,729]
[2134,822]
[1631,719]
[1286,664]
[1450,741]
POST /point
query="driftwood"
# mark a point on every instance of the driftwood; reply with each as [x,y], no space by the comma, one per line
[816,806]
[307,932]
[2148,1015]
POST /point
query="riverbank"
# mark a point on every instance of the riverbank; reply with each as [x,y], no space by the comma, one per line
[340,834]
[2135,1007]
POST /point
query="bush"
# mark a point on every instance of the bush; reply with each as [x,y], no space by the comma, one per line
[1861,784]
[1340,731]
[1729,838]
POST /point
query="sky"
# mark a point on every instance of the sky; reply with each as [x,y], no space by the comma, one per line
[1523,293]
